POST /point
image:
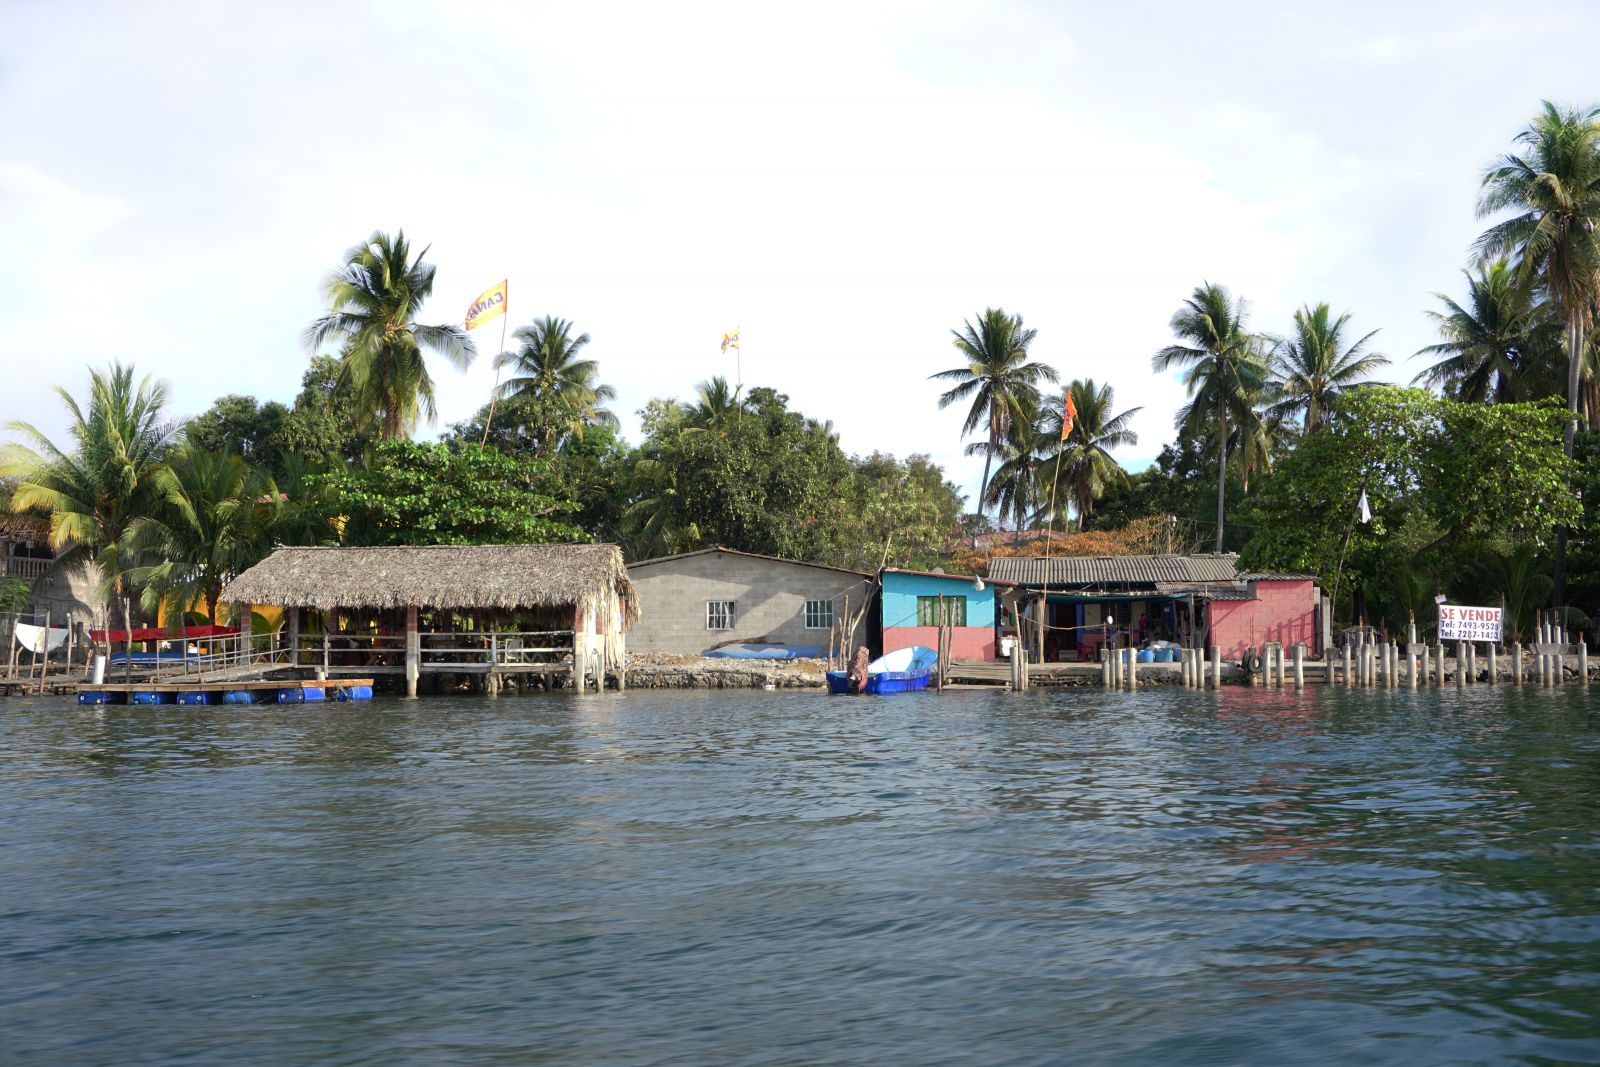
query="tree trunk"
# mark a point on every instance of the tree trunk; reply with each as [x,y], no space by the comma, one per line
[1222,454]
[1558,595]
[983,486]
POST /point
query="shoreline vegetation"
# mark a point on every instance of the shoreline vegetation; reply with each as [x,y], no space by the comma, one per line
[1479,482]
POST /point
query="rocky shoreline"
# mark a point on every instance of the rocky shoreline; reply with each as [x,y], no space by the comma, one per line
[659,670]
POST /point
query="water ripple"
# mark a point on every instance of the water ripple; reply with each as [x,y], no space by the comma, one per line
[775,878]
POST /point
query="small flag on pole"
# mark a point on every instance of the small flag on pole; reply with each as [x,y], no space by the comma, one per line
[731,340]
[1366,509]
[1069,412]
[490,304]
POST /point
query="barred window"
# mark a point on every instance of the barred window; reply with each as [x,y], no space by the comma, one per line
[819,614]
[719,614]
[955,611]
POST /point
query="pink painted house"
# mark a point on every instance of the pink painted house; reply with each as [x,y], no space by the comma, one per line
[1274,607]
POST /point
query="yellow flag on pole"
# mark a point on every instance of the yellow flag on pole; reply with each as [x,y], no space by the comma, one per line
[490,304]
[731,340]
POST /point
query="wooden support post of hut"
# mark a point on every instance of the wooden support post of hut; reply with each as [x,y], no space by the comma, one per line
[413,651]
[294,635]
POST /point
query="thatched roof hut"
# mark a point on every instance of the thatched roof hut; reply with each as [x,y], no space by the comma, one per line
[502,577]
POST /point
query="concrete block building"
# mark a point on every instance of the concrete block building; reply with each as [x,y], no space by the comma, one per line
[695,601]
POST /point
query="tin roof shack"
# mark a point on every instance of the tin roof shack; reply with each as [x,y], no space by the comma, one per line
[1195,601]
[695,602]
[910,606]
[490,610]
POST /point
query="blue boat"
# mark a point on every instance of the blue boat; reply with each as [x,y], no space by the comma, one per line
[904,670]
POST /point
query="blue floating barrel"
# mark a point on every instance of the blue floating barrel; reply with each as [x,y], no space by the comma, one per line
[150,696]
[1163,655]
[360,692]
[1146,656]
[311,694]
[101,696]
[291,696]
[198,697]
[244,696]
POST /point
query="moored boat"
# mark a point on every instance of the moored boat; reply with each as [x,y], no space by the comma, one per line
[904,670]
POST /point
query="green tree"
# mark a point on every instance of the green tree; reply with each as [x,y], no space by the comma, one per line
[716,408]
[96,488]
[1314,364]
[554,384]
[433,494]
[1446,482]
[1225,373]
[1086,456]
[240,424]
[998,382]
[211,521]
[1553,190]
[769,481]
[374,298]
[1495,347]
[904,511]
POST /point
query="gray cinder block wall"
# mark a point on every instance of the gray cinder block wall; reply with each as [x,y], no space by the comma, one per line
[769,597]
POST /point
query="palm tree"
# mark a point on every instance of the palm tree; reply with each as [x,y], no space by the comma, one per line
[1225,370]
[1086,458]
[213,519]
[1312,366]
[998,379]
[97,489]
[373,301]
[1491,347]
[1554,188]
[716,407]
[552,379]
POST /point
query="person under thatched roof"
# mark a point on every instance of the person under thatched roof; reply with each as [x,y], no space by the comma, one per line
[500,577]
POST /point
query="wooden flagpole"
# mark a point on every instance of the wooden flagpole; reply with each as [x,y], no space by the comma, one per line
[494,394]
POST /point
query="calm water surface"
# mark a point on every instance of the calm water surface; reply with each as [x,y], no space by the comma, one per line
[771,878]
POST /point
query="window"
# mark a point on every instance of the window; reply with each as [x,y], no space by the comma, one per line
[955,611]
[819,614]
[719,614]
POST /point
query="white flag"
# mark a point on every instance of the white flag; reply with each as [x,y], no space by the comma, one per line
[1366,510]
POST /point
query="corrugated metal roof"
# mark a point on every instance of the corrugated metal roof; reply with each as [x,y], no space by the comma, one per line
[1262,576]
[1115,570]
[1228,595]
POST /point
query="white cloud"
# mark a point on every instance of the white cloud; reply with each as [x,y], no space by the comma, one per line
[844,182]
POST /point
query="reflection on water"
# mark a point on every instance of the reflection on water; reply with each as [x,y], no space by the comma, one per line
[774,878]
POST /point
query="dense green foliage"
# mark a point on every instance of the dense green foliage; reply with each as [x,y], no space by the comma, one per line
[1448,483]
[420,494]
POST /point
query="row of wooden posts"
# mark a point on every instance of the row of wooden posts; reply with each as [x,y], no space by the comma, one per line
[1374,665]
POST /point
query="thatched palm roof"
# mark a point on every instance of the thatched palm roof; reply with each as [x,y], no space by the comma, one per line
[435,576]
[25,526]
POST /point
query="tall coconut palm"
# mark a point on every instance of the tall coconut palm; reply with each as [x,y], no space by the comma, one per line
[1313,365]
[1087,465]
[211,522]
[98,486]
[1224,370]
[374,298]
[716,406]
[998,379]
[1493,347]
[551,378]
[1016,489]
[1553,187]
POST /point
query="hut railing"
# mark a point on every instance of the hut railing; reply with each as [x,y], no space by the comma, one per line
[496,648]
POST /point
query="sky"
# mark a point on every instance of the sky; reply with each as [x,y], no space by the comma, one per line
[845,183]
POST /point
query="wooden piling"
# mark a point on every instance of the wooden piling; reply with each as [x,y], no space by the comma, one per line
[1472,663]
[1583,663]
[413,652]
[1461,664]
[1516,663]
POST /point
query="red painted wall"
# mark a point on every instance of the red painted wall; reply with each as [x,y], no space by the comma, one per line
[1282,611]
[966,642]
